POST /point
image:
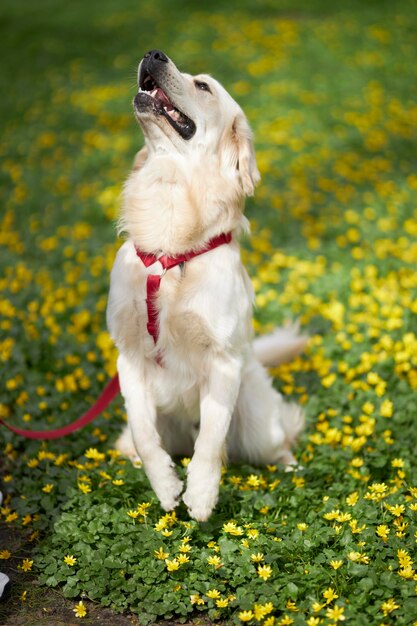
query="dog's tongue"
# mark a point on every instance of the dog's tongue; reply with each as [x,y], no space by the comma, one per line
[162,98]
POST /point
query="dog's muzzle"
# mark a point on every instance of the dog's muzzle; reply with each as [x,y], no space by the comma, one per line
[154,77]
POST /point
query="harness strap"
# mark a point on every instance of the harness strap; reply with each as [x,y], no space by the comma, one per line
[153,281]
[152,287]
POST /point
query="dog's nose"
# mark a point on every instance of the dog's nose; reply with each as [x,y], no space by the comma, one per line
[156,55]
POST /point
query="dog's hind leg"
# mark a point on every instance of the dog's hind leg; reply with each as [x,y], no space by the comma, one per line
[264,426]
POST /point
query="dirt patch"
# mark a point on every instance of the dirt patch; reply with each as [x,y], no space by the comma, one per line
[43,606]
[28,604]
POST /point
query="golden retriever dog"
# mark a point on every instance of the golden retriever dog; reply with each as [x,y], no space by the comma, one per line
[180,301]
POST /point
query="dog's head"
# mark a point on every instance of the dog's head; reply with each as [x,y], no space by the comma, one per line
[193,114]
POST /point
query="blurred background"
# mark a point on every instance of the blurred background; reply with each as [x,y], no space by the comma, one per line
[330,91]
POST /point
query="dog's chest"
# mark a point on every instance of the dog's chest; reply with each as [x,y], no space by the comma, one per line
[173,307]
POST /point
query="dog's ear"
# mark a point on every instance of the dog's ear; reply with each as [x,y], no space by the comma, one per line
[242,154]
[140,159]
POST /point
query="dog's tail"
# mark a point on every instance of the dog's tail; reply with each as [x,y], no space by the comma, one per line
[280,346]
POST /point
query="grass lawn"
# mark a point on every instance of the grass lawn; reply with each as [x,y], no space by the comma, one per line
[331,92]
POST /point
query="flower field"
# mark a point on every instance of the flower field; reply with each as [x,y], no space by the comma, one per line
[331,93]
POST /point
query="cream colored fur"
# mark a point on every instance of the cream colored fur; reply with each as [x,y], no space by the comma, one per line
[211,398]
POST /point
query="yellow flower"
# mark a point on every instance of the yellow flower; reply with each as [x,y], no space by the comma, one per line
[257,558]
[5,554]
[252,533]
[264,571]
[316,607]
[232,529]
[215,561]
[387,408]
[376,491]
[358,557]
[396,510]
[26,565]
[343,517]
[368,408]
[185,548]
[118,482]
[196,599]
[299,482]
[397,463]
[261,610]
[332,515]
[172,565]
[329,594]
[94,454]
[183,558]
[383,531]
[70,560]
[336,613]
[253,481]
[404,558]
[80,610]
[291,606]
[84,488]
[286,620]
[160,554]
[213,593]
[143,508]
[133,514]
[222,604]
[336,564]
[313,621]
[246,616]
[161,524]
[388,606]
[302,526]
[406,572]
[328,381]
[355,528]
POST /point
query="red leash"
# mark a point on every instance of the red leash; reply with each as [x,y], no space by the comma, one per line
[109,392]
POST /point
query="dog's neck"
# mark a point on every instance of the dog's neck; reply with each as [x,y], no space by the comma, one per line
[173,205]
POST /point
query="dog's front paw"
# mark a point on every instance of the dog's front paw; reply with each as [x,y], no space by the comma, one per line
[169,493]
[202,491]
[166,484]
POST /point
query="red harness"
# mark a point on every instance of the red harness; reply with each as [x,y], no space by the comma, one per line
[154,280]
[112,388]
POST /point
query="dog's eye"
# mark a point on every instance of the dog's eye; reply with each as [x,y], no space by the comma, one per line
[201,85]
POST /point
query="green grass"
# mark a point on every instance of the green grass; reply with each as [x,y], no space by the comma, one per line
[330,90]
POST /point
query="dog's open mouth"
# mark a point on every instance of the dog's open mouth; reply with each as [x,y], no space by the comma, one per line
[152,96]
